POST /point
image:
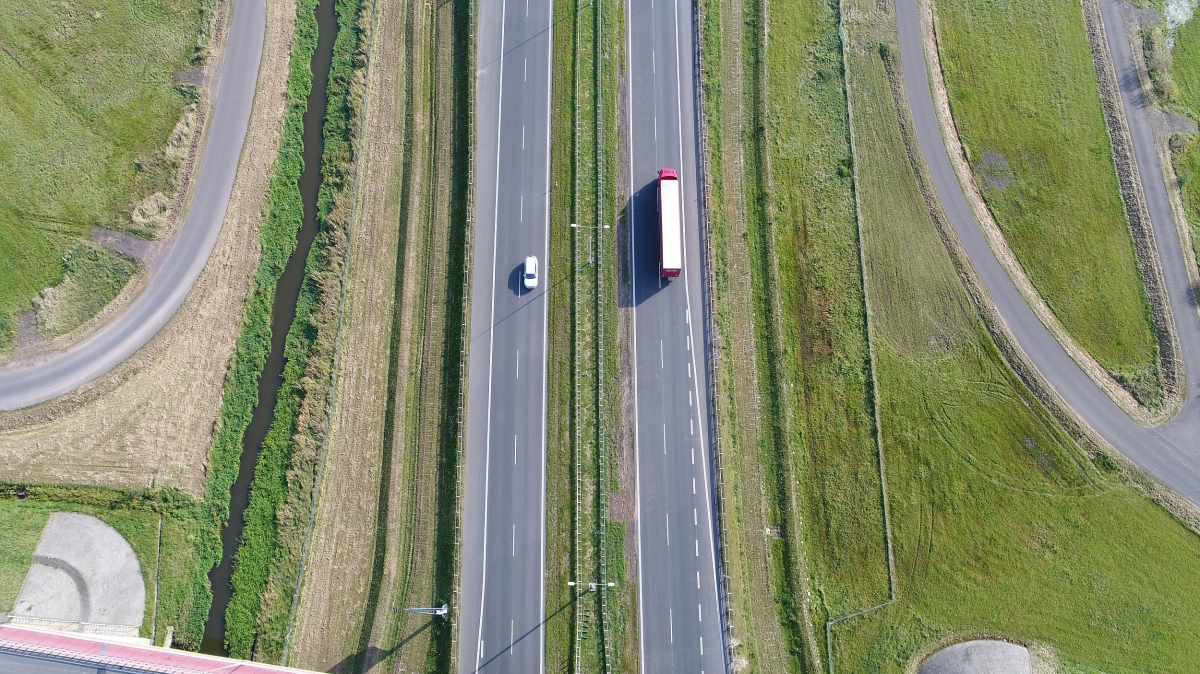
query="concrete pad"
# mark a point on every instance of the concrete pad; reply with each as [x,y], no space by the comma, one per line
[983,656]
[49,592]
[83,571]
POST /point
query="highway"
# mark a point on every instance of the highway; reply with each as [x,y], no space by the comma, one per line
[174,270]
[502,610]
[1170,452]
[679,617]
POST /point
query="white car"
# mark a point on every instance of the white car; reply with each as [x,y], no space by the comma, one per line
[530,274]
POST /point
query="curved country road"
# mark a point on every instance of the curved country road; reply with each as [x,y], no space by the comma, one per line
[175,270]
[1171,452]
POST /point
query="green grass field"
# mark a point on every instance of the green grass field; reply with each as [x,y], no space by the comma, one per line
[1185,69]
[1024,95]
[135,515]
[86,109]
[1002,526]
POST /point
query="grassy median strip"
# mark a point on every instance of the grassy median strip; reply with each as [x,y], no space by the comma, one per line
[582,428]
[135,514]
[1002,526]
[1024,96]
[277,516]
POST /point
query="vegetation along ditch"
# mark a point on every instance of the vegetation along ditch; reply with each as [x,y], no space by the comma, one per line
[264,418]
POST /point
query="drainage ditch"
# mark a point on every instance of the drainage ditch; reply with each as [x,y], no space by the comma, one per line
[283,313]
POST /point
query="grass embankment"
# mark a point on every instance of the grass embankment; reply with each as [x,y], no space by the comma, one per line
[582,293]
[135,515]
[267,561]
[1024,96]
[798,433]
[1184,63]
[1002,525]
[88,132]
[277,239]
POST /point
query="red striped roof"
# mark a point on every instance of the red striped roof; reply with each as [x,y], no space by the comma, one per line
[95,650]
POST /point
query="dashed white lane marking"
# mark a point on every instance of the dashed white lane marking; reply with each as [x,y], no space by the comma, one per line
[514,450]
[511,626]
[522,208]
[692,425]
[671,622]
[697,541]
[664,438]
[689,397]
[701,645]
[668,529]
[656,131]
[518,364]
[693,485]
[661,361]
[522,136]
[515,541]
[697,580]
[653,62]
[699,613]
[693,455]
[689,370]
[526,75]
[695,517]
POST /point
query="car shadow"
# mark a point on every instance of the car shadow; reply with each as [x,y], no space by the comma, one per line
[515,284]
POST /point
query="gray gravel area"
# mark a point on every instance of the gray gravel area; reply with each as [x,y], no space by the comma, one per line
[83,571]
[983,656]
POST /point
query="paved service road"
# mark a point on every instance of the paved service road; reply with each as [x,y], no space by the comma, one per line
[175,269]
[1170,451]
[503,555]
[679,619]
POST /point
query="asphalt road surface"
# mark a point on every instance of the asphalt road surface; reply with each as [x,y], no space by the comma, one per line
[503,555]
[1171,452]
[679,611]
[175,269]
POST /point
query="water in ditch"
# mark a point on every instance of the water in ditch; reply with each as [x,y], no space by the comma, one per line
[284,311]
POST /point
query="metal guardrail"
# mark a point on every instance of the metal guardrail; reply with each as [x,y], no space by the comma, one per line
[465,337]
[708,271]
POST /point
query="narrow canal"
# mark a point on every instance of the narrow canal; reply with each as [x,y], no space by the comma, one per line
[284,311]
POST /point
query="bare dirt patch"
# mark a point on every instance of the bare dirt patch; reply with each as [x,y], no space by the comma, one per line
[149,422]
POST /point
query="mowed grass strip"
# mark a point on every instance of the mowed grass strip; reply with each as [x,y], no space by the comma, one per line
[1002,526]
[86,108]
[1024,96]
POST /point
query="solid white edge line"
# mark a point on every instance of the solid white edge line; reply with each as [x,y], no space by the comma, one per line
[637,471]
[491,343]
[545,336]
[696,380]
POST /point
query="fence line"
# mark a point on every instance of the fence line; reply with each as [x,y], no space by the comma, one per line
[862,266]
[464,336]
